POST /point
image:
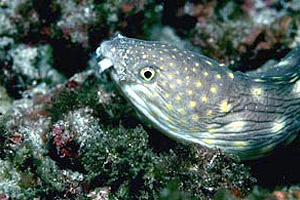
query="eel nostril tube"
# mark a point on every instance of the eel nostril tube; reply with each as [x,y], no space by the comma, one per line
[98,51]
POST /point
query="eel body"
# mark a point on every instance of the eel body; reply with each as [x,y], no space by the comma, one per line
[193,98]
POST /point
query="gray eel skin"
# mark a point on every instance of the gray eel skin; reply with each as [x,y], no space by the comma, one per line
[192,98]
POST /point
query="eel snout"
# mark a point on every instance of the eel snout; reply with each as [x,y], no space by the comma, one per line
[104,51]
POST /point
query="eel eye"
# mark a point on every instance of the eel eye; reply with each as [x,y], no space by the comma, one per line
[147,73]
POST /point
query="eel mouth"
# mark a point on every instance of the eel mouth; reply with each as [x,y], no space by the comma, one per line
[103,51]
[104,64]
[110,52]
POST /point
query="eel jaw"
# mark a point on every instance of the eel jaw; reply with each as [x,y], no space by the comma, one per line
[104,65]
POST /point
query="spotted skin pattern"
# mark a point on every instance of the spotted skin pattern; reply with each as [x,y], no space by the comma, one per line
[192,98]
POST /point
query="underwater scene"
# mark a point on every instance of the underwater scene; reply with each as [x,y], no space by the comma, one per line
[149,99]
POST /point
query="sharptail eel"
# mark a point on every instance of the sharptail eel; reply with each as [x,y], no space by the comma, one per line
[193,98]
